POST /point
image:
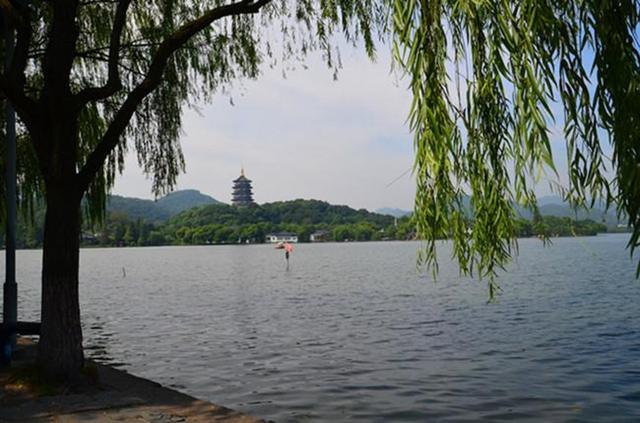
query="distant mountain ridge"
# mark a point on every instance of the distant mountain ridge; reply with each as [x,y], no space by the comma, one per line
[225,224]
[390,211]
[552,205]
[548,205]
[177,202]
[161,209]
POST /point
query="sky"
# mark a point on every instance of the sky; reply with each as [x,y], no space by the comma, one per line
[309,136]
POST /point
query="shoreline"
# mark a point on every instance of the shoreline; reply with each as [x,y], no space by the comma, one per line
[118,396]
[103,247]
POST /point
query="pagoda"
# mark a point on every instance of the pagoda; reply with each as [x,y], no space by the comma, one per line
[242,194]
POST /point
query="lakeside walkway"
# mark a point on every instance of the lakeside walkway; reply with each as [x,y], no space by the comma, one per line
[119,397]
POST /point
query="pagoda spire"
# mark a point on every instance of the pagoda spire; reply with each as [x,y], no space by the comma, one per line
[242,191]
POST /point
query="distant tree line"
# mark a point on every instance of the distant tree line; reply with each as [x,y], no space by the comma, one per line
[553,226]
[224,224]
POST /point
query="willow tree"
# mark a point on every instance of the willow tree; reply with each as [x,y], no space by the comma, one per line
[490,80]
[91,80]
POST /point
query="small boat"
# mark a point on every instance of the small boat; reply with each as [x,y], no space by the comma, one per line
[279,246]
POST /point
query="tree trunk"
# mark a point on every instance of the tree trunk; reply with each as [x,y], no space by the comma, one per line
[60,346]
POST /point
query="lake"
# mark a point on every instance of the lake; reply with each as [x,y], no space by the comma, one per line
[352,332]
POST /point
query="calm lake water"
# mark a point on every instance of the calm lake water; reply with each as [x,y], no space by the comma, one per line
[353,332]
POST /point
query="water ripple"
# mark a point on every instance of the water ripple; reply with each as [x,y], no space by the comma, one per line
[353,333]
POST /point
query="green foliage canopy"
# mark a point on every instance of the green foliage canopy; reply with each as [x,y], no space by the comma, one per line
[122,72]
[486,77]
[224,224]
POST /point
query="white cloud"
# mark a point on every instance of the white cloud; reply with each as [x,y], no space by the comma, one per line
[306,136]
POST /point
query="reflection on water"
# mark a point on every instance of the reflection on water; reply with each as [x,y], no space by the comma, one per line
[98,343]
[352,332]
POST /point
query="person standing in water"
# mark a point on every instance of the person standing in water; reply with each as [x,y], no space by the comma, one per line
[288,248]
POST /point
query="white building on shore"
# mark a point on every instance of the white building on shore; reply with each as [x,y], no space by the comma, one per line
[276,237]
[319,236]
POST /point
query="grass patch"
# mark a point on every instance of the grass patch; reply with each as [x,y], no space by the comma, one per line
[32,380]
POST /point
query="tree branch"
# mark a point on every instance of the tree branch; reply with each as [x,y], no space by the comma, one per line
[24,105]
[113,80]
[12,82]
[105,59]
[151,81]
[11,13]
[129,45]
[59,55]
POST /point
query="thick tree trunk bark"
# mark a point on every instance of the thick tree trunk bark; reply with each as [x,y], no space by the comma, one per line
[60,347]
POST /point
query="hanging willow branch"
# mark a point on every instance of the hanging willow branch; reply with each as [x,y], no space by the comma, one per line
[489,137]
[125,70]
[489,80]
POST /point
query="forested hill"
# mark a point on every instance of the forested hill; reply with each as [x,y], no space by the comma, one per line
[137,208]
[219,224]
[299,212]
[126,218]
[160,210]
[178,201]
[391,211]
[135,222]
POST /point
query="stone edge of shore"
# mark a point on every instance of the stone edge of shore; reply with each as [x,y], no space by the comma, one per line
[120,395]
